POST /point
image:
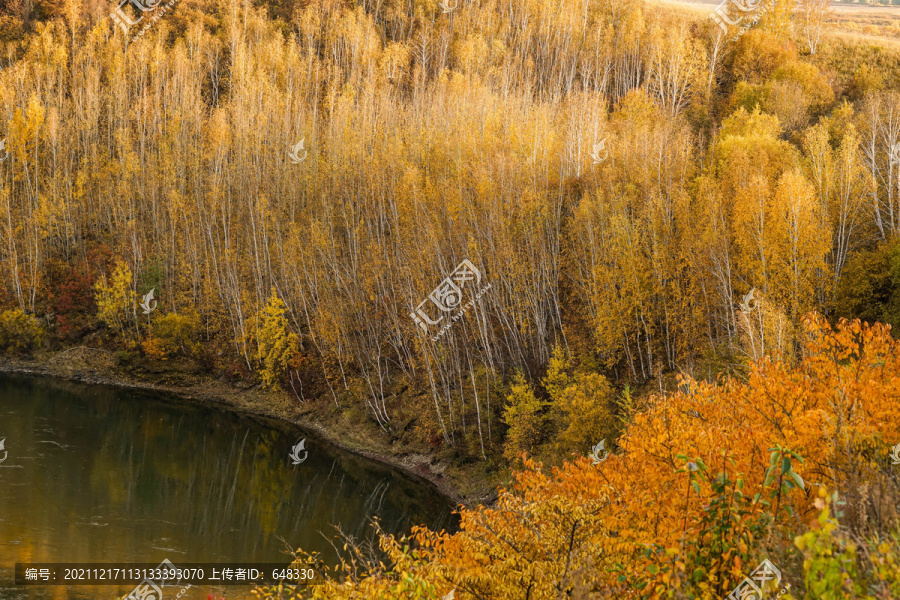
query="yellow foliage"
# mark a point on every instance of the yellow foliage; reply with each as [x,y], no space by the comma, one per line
[276,344]
[523,415]
[172,334]
[583,413]
[19,332]
[115,298]
[634,233]
[154,348]
[581,407]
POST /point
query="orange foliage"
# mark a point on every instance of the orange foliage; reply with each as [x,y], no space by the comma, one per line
[154,348]
[644,512]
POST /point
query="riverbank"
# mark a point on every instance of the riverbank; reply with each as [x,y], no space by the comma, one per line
[462,484]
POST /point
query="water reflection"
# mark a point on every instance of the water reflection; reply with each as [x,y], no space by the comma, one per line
[101,475]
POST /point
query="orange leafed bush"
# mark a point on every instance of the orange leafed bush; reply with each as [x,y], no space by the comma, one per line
[685,507]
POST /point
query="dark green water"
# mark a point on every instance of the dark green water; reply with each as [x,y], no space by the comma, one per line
[95,474]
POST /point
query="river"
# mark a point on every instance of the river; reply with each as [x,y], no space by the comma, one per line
[94,474]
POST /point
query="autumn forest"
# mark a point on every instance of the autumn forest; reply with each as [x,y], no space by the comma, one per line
[679,224]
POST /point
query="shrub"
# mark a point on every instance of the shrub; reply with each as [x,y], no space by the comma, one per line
[71,299]
[115,300]
[650,522]
[19,332]
[746,96]
[838,566]
[869,284]
[757,55]
[522,415]
[814,85]
[581,410]
[173,334]
[154,348]
[277,345]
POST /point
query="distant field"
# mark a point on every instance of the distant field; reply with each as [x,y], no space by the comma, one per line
[848,6]
[865,21]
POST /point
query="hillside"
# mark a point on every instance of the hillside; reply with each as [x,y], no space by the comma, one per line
[476,231]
